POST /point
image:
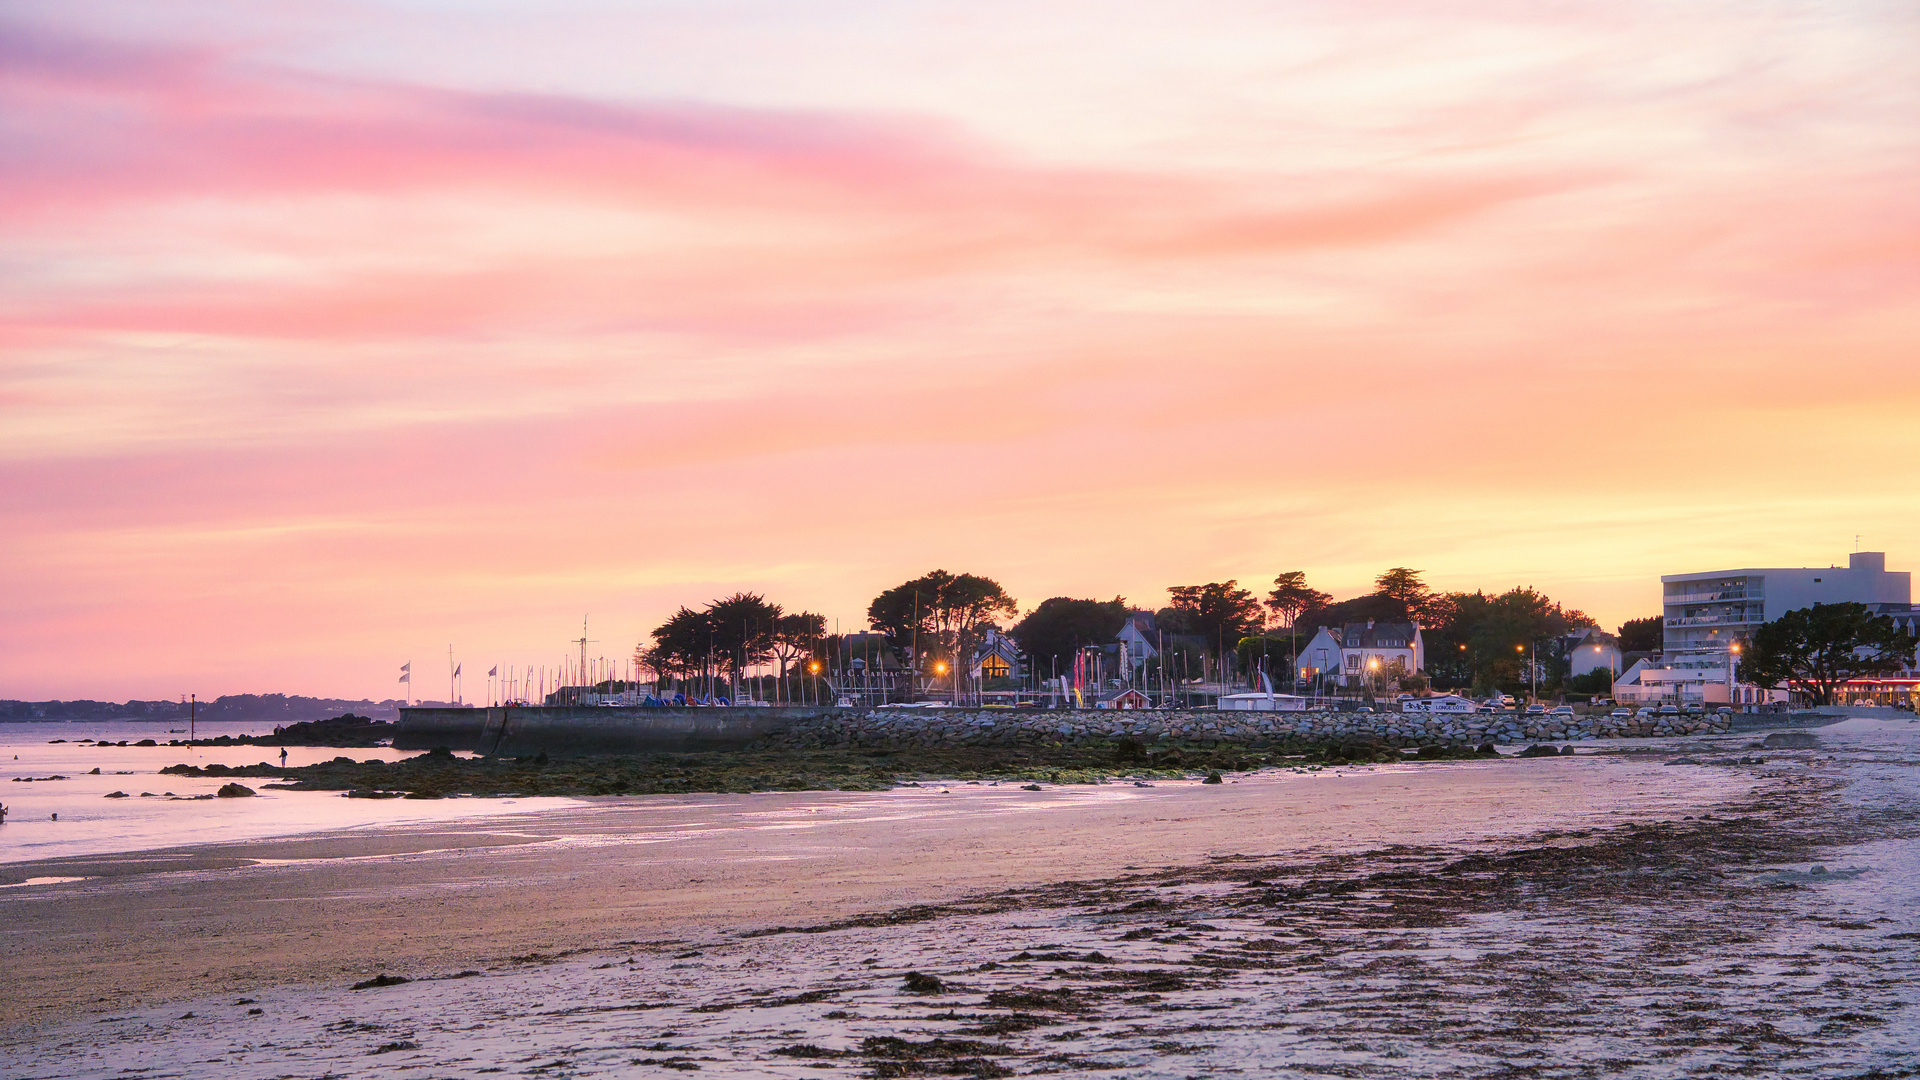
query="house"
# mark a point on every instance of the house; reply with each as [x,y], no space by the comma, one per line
[1125,699]
[1320,657]
[1383,647]
[1138,638]
[1592,649]
[996,657]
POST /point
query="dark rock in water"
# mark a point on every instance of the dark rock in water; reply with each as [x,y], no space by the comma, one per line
[95,771]
[1539,750]
[234,791]
[1790,740]
[920,983]
[1487,749]
[1684,761]
[370,793]
[1565,750]
[115,795]
[380,980]
[1213,778]
[146,742]
[1029,787]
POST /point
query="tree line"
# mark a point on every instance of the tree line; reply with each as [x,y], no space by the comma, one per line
[935,621]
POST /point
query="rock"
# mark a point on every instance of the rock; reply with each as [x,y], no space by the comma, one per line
[1566,750]
[920,983]
[1213,778]
[1790,740]
[380,980]
[1029,787]
[234,791]
[1539,750]
[115,795]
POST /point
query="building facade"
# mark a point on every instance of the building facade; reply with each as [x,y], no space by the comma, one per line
[1707,616]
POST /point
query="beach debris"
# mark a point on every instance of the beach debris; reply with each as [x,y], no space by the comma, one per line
[234,791]
[380,980]
[392,1047]
[186,1016]
[955,1057]
[806,1050]
[921,983]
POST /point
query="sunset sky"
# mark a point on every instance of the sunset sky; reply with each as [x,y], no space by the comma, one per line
[336,333]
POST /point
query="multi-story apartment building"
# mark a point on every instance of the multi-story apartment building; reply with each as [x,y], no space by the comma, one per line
[1706,615]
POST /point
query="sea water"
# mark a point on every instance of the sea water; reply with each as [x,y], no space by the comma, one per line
[73,816]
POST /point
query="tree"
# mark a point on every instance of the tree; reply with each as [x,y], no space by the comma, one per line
[941,611]
[1219,611]
[681,645]
[1061,625]
[1814,650]
[1292,596]
[1405,586]
[1488,641]
[1642,635]
[742,630]
[795,636]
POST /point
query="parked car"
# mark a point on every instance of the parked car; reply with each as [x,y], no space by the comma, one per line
[1724,710]
[1364,709]
[1536,709]
[1644,712]
[1621,714]
[1561,710]
[1694,708]
[1669,710]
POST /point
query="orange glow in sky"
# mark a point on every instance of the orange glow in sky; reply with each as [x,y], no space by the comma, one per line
[334,333]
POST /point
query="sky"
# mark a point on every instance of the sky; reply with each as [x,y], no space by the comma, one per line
[336,335]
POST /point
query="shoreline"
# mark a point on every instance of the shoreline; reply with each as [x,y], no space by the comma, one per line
[315,911]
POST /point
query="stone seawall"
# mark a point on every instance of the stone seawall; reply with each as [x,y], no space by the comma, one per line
[564,731]
[894,728]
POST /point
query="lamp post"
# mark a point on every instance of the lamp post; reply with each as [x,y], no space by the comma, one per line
[1733,650]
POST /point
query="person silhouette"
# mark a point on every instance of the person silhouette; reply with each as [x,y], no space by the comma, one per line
[283,757]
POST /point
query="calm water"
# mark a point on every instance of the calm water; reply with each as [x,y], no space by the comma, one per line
[91,824]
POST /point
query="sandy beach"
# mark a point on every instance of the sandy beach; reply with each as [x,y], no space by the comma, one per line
[931,879]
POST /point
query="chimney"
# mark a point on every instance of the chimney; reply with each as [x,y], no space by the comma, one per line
[1875,561]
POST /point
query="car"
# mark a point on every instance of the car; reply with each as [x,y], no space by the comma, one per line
[1669,710]
[1621,714]
[1695,709]
[1644,711]
[1561,710]
[1536,709]
[1724,710]
[1363,709]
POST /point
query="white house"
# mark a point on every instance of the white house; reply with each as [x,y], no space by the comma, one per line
[1321,656]
[1592,649]
[1385,648]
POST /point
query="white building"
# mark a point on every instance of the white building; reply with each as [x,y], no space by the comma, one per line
[1707,615]
[1592,649]
[1353,652]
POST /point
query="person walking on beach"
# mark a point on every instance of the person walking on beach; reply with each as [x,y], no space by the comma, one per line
[283,757]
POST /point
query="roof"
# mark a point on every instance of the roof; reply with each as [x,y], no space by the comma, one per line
[1379,635]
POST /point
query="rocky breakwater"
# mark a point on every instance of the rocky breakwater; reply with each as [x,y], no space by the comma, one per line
[933,728]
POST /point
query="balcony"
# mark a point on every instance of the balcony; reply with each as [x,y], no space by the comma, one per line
[1742,619]
[1713,597]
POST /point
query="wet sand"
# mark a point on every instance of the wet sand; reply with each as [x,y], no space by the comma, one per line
[324,911]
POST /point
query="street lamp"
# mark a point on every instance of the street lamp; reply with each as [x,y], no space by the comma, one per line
[1733,650]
